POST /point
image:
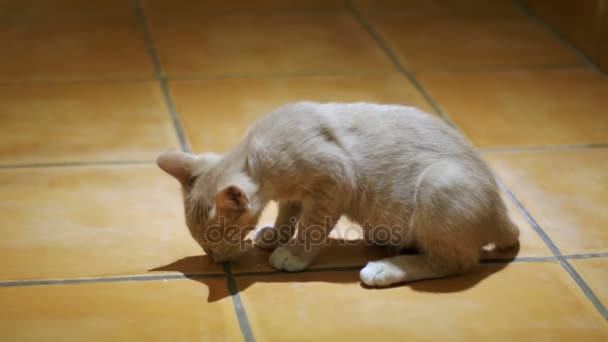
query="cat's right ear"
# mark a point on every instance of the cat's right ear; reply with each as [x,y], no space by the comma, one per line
[178,164]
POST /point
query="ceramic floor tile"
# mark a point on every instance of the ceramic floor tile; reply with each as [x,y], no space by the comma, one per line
[93,221]
[12,8]
[216,113]
[522,301]
[47,123]
[72,48]
[162,7]
[443,8]
[464,43]
[566,192]
[265,44]
[522,108]
[595,273]
[174,310]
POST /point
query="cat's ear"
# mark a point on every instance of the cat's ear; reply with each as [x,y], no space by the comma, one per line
[232,198]
[178,164]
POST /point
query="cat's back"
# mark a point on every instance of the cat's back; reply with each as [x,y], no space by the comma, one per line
[358,128]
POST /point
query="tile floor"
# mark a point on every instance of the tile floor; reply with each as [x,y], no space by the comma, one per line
[92,233]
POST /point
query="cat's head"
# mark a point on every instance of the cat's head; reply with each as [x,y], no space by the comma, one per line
[216,201]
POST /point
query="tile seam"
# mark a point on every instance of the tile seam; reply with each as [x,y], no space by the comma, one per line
[144,28]
[105,279]
[559,37]
[239,308]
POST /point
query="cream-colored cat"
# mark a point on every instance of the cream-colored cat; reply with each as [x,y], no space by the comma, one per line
[380,165]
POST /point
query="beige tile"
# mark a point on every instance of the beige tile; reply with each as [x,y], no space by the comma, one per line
[443,8]
[55,8]
[46,123]
[176,310]
[524,301]
[162,7]
[93,221]
[216,113]
[566,192]
[75,48]
[265,44]
[464,43]
[522,108]
[595,273]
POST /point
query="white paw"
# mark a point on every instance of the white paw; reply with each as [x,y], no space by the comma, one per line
[381,273]
[283,259]
[265,237]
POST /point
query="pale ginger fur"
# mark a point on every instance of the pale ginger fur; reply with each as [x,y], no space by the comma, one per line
[380,165]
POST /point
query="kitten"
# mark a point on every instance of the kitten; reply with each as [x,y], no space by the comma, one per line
[380,165]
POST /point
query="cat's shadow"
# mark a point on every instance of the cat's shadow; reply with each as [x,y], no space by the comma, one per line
[219,286]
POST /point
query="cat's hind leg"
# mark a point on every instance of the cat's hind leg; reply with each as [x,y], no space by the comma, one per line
[449,225]
[405,268]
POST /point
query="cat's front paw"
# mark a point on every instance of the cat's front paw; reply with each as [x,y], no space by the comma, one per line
[381,273]
[283,259]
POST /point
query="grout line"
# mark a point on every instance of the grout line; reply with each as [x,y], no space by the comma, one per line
[39,282]
[517,260]
[214,13]
[238,303]
[506,149]
[221,77]
[35,282]
[584,287]
[485,69]
[538,148]
[74,81]
[530,219]
[554,249]
[558,36]
[179,130]
[153,54]
[393,57]
[505,68]
[158,71]
[586,256]
[64,164]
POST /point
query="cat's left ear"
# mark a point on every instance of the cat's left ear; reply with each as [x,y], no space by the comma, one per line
[178,164]
[232,198]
